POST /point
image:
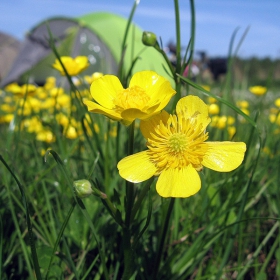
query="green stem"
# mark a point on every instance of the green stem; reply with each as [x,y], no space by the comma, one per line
[123,48]
[256,253]
[178,37]
[161,240]
[129,185]
[141,196]
[60,236]
[28,221]
[129,200]
[230,242]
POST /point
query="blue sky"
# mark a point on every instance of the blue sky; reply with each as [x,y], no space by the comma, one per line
[216,20]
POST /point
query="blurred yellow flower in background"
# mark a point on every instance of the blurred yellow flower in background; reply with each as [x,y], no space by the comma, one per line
[147,94]
[277,102]
[45,135]
[73,66]
[214,109]
[212,100]
[25,89]
[206,87]
[258,90]
[242,104]
[50,83]
[14,88]
[245,111]
[94,76]
[177,150]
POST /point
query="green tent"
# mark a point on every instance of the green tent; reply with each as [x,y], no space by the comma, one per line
[99,36]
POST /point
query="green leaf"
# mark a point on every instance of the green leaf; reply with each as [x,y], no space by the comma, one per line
[261,276]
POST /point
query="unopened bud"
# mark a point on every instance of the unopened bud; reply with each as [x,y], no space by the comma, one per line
[82,188]
[149,39]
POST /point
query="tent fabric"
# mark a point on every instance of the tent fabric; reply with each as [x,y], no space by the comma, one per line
[99,36]
[33,63]
[9,47]
[111,28]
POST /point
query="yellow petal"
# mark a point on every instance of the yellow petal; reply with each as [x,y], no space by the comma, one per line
[136,168]
[148,126]
[192,106]
[95,108]
[156,86]
[105,89]
[224,156]
[178,182]
[132,114]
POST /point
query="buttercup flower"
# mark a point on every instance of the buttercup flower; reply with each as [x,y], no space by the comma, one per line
[258,90]
[214,109]
[94,76]
[177,151]
[147,94]
[277,102]
[74,66]
[242,104]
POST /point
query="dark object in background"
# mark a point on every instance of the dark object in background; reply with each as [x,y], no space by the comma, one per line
[217,66]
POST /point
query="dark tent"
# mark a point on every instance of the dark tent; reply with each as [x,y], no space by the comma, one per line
[9,47]
[98,36]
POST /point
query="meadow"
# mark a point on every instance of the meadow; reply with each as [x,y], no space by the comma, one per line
[67,211]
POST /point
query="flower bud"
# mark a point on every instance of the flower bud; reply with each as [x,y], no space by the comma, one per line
[82,188]
[149,39]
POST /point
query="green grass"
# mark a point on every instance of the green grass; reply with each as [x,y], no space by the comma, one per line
[228,230]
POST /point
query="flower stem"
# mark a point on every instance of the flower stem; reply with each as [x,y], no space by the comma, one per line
[141,196]
[129,186]
[178,53]
[161,240]
[178,37]
[129,200]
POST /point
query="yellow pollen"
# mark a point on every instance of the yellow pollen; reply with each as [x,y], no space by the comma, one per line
[133,97]
[178,142]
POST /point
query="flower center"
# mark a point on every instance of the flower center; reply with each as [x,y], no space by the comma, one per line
[133,97]
[177,143]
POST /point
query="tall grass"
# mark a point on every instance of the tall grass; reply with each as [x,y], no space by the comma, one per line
[228,230]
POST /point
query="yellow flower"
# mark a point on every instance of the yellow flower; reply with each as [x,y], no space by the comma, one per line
[71,132]
[13,88]
[73,66]
[147,94]
[26,89]
[242,104]
[7,108]
[214,109]
[274,118]
[231,131]
[6,118]
[94,76]
[45,136]
[50,83]
[212,100]
[206,87]
[277,102]
[258,90]
[245,111]
[177,150]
